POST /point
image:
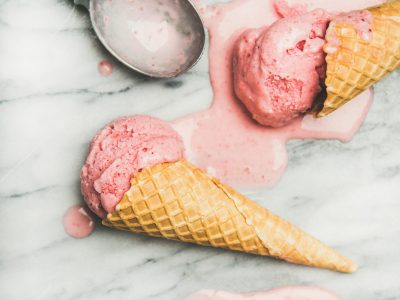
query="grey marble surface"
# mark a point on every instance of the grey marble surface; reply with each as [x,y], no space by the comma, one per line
[52,101]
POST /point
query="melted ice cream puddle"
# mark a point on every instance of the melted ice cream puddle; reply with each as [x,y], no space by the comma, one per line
[224,139]
[77,222]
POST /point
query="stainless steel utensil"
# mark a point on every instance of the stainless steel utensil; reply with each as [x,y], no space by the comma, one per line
[158,38]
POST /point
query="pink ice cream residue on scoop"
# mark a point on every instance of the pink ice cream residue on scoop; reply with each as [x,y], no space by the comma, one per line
[121,149]
[278,70]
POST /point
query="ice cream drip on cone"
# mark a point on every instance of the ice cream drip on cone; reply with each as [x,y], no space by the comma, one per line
[179,201]
[354,61]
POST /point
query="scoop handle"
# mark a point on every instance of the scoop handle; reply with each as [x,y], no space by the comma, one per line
[85,3]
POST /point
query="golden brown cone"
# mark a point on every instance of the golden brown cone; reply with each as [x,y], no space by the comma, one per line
[179,201]
[358,63]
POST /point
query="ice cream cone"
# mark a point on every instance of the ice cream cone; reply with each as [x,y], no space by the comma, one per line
[357,63]
[179,201]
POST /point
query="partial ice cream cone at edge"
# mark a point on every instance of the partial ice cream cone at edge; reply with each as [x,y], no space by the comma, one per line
[179,201]
[358,62]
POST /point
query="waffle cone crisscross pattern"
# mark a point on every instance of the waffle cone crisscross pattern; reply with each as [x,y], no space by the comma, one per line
[359,63]
[179,201]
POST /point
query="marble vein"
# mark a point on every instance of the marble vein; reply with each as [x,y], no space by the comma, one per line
[52,101]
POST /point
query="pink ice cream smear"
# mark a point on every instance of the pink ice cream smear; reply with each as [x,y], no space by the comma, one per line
[360,20]
[121,149]
[279,70]
[285,293]
[77,222]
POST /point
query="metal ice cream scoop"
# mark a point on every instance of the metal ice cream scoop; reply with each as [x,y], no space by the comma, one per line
[156,38]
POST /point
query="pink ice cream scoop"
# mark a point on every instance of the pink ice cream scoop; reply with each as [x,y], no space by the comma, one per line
[279,70]
[121,149]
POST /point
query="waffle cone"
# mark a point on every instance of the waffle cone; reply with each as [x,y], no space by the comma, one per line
[178,201]
[359,63]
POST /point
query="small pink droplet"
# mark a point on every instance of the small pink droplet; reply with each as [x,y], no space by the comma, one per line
[77,222]
[105,68]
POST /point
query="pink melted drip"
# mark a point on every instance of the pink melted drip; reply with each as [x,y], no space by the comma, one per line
[105,68]
[77,222]
[285,293]
[224,140]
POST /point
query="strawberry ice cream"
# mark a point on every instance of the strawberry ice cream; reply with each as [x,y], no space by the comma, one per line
[279,70]
[121,149]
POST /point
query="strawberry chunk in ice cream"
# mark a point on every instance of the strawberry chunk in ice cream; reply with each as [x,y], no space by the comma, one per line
[121,149]
[279,70]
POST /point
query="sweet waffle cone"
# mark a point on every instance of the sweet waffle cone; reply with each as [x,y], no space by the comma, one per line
[359,63]
[179,201]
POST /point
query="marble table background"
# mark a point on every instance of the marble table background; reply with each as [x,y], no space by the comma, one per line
[52,101]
